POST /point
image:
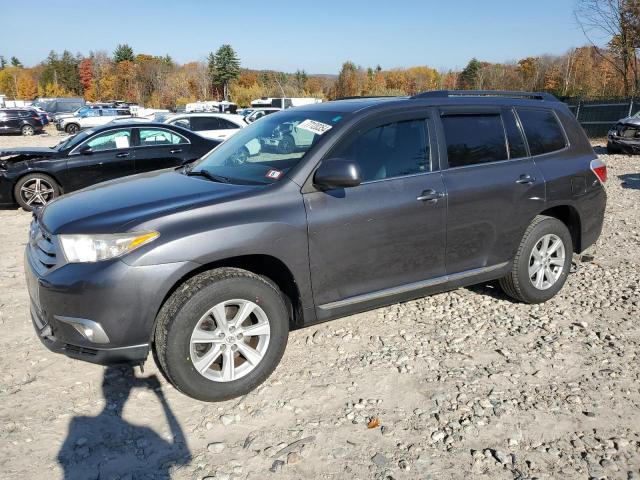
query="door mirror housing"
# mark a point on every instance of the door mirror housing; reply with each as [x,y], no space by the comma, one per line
[86,150]
[337,173]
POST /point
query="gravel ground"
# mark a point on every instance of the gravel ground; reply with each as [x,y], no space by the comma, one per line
[464,384]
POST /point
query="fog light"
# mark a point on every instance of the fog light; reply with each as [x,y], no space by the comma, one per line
[89,329]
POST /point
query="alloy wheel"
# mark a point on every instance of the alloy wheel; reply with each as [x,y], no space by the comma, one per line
[546,261]
[230,340]
[37,191]
[27,130]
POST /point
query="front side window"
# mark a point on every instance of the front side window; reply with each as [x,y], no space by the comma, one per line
[153,137]
[392,150]
[264,152]
[227,125]
[473,139]
[110,141]
[544,133]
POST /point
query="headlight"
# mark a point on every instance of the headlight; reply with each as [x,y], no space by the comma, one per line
[95,248]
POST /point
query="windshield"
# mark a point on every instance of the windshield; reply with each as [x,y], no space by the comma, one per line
[265,151]
[74,140]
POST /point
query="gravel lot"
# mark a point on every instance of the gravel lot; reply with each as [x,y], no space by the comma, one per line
[464,384]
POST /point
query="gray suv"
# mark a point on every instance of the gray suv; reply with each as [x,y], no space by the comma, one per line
[209,266]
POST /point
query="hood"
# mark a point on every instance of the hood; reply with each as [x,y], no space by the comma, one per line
[630,121]
[27,151]
[14,155]
[108,207]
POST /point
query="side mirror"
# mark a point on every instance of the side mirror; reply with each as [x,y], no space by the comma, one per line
[86,150]
[337,173]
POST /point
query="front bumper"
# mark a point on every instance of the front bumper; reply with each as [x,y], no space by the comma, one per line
[121,299]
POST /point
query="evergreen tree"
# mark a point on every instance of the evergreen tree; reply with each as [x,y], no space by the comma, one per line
[123,52]
[3,62]
[224,66]
[469,76]
[15,62]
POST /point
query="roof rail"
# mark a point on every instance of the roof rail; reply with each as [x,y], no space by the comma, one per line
[364,97]
[487,93]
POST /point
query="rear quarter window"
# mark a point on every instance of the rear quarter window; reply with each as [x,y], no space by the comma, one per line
[543,131]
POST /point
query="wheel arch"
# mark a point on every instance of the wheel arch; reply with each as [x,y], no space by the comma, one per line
[31,172]
[267,266]
[570,216]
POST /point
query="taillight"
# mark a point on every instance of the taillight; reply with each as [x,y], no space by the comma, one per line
[600,169]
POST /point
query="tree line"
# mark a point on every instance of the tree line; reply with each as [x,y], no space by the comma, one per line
[590,71]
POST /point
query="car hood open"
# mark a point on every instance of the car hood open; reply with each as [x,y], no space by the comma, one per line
[108,207]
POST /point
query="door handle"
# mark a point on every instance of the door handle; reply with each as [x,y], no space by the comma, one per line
[525,179]
[430,196]
[122,155]
[175,150]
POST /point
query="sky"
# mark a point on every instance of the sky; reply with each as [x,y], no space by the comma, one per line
[288,35]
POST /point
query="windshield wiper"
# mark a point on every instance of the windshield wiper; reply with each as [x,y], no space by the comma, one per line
[207,174]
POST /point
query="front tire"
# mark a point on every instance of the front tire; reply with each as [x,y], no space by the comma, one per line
[35,190]
[541,265]
[72,128]
[221,334]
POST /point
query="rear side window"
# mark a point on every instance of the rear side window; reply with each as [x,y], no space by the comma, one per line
[544,133]
[474,139]
[517,148]
[204,123]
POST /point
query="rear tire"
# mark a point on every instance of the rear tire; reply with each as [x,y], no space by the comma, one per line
[189,334]
[35,190]
[542,262]
[27,130]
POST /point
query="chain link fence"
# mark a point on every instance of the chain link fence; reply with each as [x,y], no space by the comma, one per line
[598,116]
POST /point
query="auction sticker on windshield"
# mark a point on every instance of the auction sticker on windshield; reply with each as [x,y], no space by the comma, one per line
[274,174]
[313,126]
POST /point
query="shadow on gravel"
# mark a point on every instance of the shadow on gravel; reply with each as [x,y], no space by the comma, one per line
[600,150]
[107,446]
[491,289]
[630,180]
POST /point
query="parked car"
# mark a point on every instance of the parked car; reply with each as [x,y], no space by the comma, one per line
[245,111]
[44,117]
[20,120]
[624,137]
[258,113]
[91,118]
[218,126]
[58,105]
[210,266]
[32,177]
[96,106]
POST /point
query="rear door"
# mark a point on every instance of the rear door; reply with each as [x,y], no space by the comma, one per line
[384,233]
[494,187]
[111,156]
[157,148]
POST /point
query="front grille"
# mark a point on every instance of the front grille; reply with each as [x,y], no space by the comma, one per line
[78,350]
[44,248]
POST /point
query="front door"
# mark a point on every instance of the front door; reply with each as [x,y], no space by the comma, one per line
[110,156]
[387,232]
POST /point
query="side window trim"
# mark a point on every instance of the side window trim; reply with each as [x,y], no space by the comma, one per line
[567,143]
[76,149]
[520,130]
[138,143]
